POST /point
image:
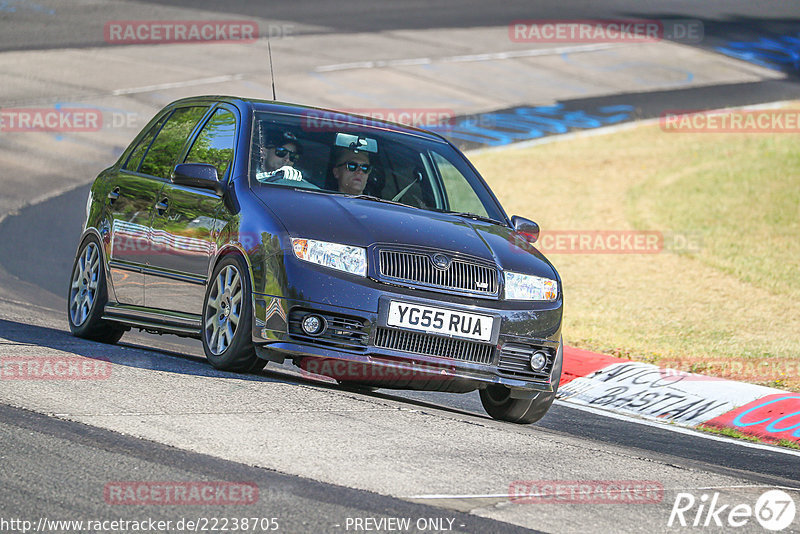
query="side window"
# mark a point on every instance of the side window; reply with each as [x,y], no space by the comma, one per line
[214,143]
[170,140]
[460,194]
[400,174]
[135,158]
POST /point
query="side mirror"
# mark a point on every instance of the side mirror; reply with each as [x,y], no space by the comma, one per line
[526,227]
[201,175]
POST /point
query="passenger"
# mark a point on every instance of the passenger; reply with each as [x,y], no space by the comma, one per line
[351,170]
[278,157]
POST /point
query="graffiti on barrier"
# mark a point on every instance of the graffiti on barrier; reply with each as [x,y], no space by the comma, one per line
[781,52]
[774,417]
[523,123]
[648,391]
[14,6]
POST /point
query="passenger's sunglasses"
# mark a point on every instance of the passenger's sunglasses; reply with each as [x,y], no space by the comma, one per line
[352,166]
[281,152]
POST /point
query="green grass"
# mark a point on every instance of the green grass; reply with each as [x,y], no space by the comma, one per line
[787,443]
[733,433]
[729,432]
[742,197]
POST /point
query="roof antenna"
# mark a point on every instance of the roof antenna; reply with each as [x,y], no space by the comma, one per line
[271,72]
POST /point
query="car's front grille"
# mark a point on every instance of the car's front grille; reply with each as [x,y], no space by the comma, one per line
[515,360]
[418,269]
[342,331]
[429,345]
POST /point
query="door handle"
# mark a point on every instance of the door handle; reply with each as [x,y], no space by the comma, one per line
[162,206]
[113,195]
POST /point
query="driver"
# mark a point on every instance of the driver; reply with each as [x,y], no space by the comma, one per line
[351,169]
[278,156]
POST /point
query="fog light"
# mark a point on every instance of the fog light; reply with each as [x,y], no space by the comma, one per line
[313,325]
[538,360]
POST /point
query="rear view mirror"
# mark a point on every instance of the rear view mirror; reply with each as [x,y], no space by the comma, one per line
[201,175]
[356,142]
[526,227]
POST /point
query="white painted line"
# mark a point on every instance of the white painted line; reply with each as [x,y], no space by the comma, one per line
[536,52]
[176,85]
[507,496]
[679,429]
[487,496]
[83,97]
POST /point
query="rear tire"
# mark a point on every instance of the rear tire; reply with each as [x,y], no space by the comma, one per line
[228,319]
[88,295]
[497,401]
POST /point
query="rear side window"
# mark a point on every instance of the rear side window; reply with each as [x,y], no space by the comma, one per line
[164,150]
[214,143]
[135,159]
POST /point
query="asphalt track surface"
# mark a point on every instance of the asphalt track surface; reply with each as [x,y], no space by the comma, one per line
[39,446]
[74,24]
[37,245]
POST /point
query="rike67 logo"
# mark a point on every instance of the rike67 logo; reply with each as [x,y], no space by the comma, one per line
[774,510]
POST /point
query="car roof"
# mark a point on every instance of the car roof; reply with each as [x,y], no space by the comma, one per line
[297,110]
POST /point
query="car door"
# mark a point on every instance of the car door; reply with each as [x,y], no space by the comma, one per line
[184,222]
[134,194]
[130,198]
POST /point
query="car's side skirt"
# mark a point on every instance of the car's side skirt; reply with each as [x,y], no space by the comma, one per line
[152,320]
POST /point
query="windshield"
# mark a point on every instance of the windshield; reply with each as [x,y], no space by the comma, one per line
[352,159]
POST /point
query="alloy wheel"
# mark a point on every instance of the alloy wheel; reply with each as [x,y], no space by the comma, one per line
[85,279]
[223,309]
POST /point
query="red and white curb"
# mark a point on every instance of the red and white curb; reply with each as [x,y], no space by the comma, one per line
[647,391]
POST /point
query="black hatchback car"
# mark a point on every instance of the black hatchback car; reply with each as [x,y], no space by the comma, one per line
[365,251]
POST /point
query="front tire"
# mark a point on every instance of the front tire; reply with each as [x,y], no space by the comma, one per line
[228,319]
[88,295]
[497,401]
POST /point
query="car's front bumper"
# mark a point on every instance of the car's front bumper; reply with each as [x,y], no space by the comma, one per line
[362,355]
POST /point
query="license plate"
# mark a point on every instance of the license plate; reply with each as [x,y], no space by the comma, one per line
[440,321]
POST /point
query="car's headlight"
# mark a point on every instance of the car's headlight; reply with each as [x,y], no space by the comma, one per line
[529,287]
[342,257]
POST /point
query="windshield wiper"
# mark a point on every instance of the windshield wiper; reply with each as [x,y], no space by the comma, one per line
[468,215]
[379,199]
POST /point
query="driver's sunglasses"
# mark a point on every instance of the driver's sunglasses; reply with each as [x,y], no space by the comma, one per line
[281,152]
[352,166]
